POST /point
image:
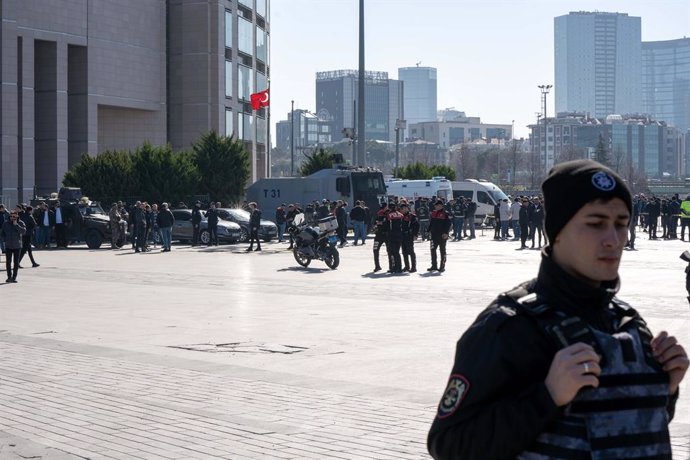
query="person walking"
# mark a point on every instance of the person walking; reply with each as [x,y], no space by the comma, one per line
[523,221]
[139,221]
[11,233]
[254,224]
[114,221]
[358,217]
[559,366]
[537,222]
[515,215]
[504,210]
[26,216]
[60,229]
[4,216]
[394,223]
[166,220]
[341,218]
[471,210]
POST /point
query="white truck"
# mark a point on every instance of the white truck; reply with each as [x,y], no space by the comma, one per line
[436,187]
[486,194]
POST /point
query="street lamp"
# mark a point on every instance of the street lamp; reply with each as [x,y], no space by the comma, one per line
[399,124]
[544,92]
[292,139]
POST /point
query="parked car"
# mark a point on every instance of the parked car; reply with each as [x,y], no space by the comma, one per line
[267,231]
[228,232]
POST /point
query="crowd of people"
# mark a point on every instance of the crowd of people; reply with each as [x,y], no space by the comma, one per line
[397,224]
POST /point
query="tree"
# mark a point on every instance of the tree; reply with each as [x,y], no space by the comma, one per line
[223,166]
[601,153]
[442,170]
[413,171]
[569,153]
[321,159]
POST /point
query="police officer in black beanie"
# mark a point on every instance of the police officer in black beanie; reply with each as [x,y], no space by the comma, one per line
[559,367]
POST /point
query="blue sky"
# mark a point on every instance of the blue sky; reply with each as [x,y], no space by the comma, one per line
[490,54]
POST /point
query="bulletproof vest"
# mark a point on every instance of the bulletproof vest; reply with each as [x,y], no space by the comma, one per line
[626,416]
[423,213]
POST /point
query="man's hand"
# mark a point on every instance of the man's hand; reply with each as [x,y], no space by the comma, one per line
[444,236]
[572,368]
[672,357]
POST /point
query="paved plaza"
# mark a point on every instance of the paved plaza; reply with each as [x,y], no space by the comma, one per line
[214,353]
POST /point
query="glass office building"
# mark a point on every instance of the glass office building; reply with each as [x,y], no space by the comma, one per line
[420,98]
[336,99]
[597,63]
[666,81]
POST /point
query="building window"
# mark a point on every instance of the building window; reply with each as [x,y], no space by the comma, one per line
[260,130]
[261,48]
[228,29]
[229,130]
[261,81]
[261,8]
[246,82]
[244,126]
[248,3]
[228,79]
[244,36]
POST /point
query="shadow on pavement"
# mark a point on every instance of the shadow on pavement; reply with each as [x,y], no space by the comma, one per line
[306,270]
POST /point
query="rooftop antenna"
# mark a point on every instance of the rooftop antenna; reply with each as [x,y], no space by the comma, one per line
[419,63]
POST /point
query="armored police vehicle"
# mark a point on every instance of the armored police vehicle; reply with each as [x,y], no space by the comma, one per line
[486,194]
[436,187]
[339,183]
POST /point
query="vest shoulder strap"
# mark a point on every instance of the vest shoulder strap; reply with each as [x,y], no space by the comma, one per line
[564,330]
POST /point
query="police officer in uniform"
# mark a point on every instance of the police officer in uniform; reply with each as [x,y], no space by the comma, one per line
[410,230]
[380,235]
[395,238]
[439,227]
[458,209]
[559,367]
[422,211]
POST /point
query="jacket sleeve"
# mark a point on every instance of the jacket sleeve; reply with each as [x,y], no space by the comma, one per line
[505,404]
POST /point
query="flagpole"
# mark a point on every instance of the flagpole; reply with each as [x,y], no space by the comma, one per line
[268,135]
[253,127]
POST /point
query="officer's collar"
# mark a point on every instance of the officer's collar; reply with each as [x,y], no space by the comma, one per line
[569,291]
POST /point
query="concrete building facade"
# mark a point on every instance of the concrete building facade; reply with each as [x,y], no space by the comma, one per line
[458,131]
[597,63]
[653,147]
[336,99]
[84,76]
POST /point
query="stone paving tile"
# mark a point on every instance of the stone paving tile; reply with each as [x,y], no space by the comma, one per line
[110,408]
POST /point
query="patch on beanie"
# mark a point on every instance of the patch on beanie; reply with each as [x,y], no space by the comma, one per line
[603,181]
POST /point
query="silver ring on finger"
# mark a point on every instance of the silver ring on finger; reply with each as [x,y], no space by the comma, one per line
[586,365]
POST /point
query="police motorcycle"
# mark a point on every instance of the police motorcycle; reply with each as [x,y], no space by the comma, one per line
[315,242]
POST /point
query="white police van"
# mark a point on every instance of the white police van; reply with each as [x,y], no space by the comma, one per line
[436,187]
[486,194]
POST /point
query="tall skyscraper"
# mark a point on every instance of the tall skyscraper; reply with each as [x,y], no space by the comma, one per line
[666,81]
[420,93]
[336,98]
[86,76]
[597,63]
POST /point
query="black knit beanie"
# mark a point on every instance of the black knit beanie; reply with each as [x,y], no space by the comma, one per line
[571,185]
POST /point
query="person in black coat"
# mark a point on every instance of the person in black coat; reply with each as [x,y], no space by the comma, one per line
[196,223]
[254,224]
[212,220]
[523,220]
[653,210]
[166,220]
[139,221]
[46,222]
[27,239]
[11,233]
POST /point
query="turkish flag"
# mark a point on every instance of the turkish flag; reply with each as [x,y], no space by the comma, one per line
[260,99]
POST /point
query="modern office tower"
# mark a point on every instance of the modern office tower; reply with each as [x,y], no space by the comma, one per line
[336,99]
[597,63]
[85,76]
[420,93]
[666,81]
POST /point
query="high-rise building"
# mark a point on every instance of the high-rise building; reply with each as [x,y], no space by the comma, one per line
[420,90]
[666,81]
[310,131]
[86,76]
[597,63]
[336,99]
